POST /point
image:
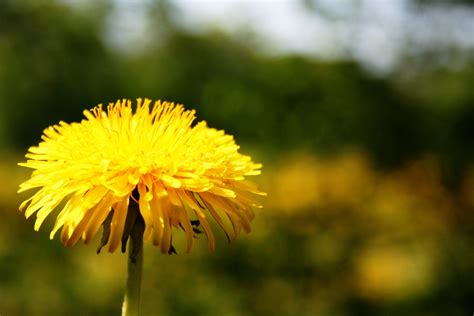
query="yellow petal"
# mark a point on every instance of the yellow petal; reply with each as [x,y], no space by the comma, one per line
[118,223]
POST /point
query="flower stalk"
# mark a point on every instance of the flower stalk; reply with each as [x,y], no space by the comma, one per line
[131,301]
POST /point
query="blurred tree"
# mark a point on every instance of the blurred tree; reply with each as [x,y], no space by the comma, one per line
[54,65]
[57,64]
[446,2]
[296,102]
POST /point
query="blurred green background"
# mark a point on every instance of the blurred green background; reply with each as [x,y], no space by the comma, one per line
[361,111]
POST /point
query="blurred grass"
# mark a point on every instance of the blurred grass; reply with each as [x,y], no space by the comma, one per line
[336,237]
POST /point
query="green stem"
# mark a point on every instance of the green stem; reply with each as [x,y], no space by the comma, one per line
[131,301]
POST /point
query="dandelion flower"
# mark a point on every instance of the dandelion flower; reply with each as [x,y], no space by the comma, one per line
[118,165]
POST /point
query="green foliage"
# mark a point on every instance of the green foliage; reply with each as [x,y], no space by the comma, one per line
[54,63]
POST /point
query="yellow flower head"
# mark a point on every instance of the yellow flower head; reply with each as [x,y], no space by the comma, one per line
[118,164]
